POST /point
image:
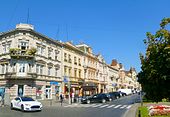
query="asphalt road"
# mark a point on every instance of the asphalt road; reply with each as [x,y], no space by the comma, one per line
[116,108]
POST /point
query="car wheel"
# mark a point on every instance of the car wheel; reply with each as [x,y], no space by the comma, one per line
[103,101]
[22,108]
[117,97]
[12,106]
[88,101]
[110,99]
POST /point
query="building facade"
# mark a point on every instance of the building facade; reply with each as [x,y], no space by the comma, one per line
[91,82]
[73,69]
[30,63]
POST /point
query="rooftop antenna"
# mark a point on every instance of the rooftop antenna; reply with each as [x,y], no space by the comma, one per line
[58,31]
[67,31]
[28,16]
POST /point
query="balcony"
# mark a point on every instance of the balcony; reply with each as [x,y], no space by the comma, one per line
[18,76]
[19,53]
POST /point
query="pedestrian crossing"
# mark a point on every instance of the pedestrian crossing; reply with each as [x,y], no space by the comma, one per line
[100,106]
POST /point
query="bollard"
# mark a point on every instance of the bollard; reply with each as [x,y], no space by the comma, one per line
[139,115]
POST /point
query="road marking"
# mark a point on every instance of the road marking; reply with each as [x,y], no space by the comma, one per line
[86,105]
[68,106]
[117,106]
[128,106]
[123,106]
[97,105]
[110,106]
[103,106]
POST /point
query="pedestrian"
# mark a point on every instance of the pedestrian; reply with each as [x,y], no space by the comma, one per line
[61,99]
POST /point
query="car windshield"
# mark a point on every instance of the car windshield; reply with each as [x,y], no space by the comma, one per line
[27,99]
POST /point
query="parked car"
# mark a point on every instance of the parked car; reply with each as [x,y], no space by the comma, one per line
[122,93]
[114,95]
[127,91]
[102,97]
[26,104]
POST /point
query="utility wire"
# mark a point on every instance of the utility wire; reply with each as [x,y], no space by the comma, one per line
[13,14]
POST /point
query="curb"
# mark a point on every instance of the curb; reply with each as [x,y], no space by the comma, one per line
[132,111]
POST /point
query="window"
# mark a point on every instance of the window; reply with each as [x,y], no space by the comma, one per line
[79,73]
[23,45]
[50,50]
[65,57]
[69,70]
[75,60]
[75,72]
[29,68]
[21,67]
[14,67]
[37,68]
[69,58]
[41,69]
[40,50]
[49,71]
[56,54]
[79,62]
[6,47]
[65,70]
[6,67]
[3,68]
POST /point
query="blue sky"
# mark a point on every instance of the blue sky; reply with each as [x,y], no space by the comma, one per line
[114,28]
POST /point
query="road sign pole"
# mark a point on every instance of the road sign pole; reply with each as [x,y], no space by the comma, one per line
[69,98]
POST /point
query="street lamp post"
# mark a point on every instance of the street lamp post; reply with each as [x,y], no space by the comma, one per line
[67,80]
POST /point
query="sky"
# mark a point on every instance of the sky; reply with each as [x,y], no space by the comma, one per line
[114,28]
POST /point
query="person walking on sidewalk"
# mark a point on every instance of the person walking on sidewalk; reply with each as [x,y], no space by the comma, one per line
[61,99]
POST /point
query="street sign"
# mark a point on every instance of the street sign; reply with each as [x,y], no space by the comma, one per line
[54,83]
[65,80]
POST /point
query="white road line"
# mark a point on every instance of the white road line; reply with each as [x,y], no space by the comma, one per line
[128,106]
[123,106]
[103,106]
[117,106]
[97,105]
[87,105]
[110,106]
[68,106]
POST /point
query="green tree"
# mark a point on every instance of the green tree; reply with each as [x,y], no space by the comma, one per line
[154,76]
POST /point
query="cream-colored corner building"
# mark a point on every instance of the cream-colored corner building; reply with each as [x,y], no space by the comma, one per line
[73,69]
[30,63]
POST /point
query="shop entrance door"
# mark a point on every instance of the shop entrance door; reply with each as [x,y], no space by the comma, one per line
[20,90]
[48,93]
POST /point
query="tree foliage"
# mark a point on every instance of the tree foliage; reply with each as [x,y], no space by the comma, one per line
[154,76]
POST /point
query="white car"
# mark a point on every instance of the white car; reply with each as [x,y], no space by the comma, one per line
[26,104]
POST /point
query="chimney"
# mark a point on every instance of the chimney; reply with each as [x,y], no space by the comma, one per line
[114,62]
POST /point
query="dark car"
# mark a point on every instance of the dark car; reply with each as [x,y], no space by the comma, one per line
[114,95]
[96,98]
[122,93]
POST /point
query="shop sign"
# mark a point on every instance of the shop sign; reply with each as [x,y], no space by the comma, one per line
[54,83]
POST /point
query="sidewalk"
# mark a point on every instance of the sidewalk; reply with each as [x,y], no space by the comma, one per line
[132,111]
[51,102]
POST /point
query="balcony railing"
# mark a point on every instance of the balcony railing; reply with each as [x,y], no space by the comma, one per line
[19,53]
[14,75]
